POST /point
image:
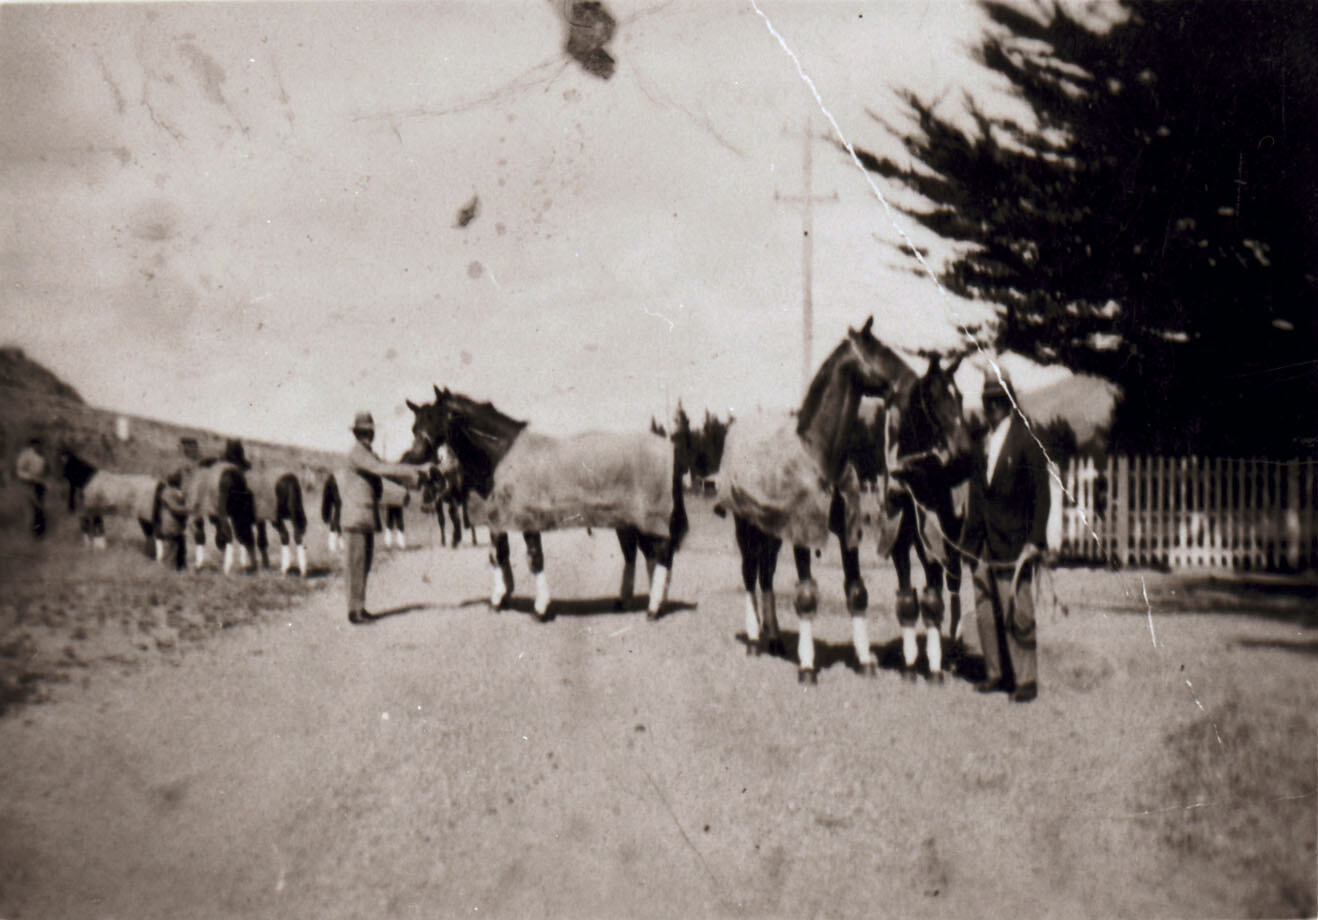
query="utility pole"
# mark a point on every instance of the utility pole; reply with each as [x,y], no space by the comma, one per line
[807,200]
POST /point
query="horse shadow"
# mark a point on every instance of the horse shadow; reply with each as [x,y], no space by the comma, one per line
[583,607]
[401,610]
[958,663]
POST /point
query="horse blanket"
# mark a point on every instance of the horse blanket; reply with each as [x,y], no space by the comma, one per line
[769,479]
[202,488]
[120,493]
[595,479]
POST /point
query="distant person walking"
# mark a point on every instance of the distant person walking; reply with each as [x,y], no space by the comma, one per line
[361,486]
[1006,529]
[30,468]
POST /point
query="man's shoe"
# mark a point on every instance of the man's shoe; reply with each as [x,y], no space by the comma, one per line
[361,616]
[990,686]
[1025,692]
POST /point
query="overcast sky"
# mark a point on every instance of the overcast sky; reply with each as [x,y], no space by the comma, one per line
[244,216]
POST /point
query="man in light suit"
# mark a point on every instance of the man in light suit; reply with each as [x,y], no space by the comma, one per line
[1006,529]
[360,485]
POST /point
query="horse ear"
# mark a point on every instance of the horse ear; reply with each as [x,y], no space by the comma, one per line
[438,394]
[956,362]
[865,329]
[411,405]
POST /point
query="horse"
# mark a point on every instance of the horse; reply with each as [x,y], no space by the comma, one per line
[790,479]
[920,506]
[393,499]
[216,492]
[95,494]
[531,482]
[277,501]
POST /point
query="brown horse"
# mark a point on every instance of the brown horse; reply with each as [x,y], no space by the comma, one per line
[790,479]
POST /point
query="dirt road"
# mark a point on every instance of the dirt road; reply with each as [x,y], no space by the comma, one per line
[450,761]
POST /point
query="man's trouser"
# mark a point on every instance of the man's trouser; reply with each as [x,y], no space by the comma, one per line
[38,508]
[361,548]
[1006,625]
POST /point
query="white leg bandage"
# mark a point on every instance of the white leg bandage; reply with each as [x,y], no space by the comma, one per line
[805,647]
[302,560]
[658,588]
[388,537]
[910,651]
[541,593]
[752,619]
[198,556]
[244,558]
[498,589]
[160,550]
[933,648]
[860,638]
[330,540]
[402,540]
[228,558]
[285,559]
[99,542]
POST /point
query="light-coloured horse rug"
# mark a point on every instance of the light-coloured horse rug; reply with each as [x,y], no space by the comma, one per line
[120,493]
[769,479]
[595,479]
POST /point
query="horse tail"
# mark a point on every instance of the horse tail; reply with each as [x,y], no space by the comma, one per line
[329,500]
[288,502]
[238,507]
[679,523]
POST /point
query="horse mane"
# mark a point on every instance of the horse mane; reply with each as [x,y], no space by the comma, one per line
[818,386]
[480,435]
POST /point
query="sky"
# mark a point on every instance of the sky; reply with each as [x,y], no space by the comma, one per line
[244,216]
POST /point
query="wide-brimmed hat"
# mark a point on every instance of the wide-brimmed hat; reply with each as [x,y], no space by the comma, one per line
[997,384]
[362,421]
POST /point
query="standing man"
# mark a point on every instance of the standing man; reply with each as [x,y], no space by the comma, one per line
[1006,529]
[30,467]
[361,487]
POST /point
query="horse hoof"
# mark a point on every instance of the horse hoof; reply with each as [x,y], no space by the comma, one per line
[870,669]
[753,648]
[652,615]
[937,677]
[776,647]
[807,676]
[909,675]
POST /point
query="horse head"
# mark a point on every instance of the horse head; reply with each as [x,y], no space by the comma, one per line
[429,428]
[931,414]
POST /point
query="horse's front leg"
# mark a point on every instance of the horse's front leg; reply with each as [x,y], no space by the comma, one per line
[535,557]
[931,613]
[501,570]
[857,601]
[628,540]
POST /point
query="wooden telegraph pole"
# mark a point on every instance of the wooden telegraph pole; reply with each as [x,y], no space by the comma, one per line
[807,200]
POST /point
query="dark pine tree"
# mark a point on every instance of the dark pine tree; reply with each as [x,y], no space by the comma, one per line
[1157,223]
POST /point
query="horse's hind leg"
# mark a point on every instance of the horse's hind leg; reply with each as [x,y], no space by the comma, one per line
[535,557]
[457,524]
[152,550]
[262,543]
[628,539]
[501,568]
[807,602]
[659,561]
[747,543]
[931,612]
[285,550]
[199,543]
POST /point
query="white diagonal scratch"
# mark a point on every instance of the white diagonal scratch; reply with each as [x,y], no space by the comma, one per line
[670,323]
[1148,607]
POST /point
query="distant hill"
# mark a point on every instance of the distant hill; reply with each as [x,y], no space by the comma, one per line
[35,403]
[1085,402]
[19,372]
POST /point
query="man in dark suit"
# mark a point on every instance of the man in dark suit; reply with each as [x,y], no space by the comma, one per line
[1006,529]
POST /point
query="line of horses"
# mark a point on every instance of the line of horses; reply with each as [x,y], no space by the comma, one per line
[236,503]
[781,479]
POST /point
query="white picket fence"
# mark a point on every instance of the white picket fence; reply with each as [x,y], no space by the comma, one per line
[1189,512]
